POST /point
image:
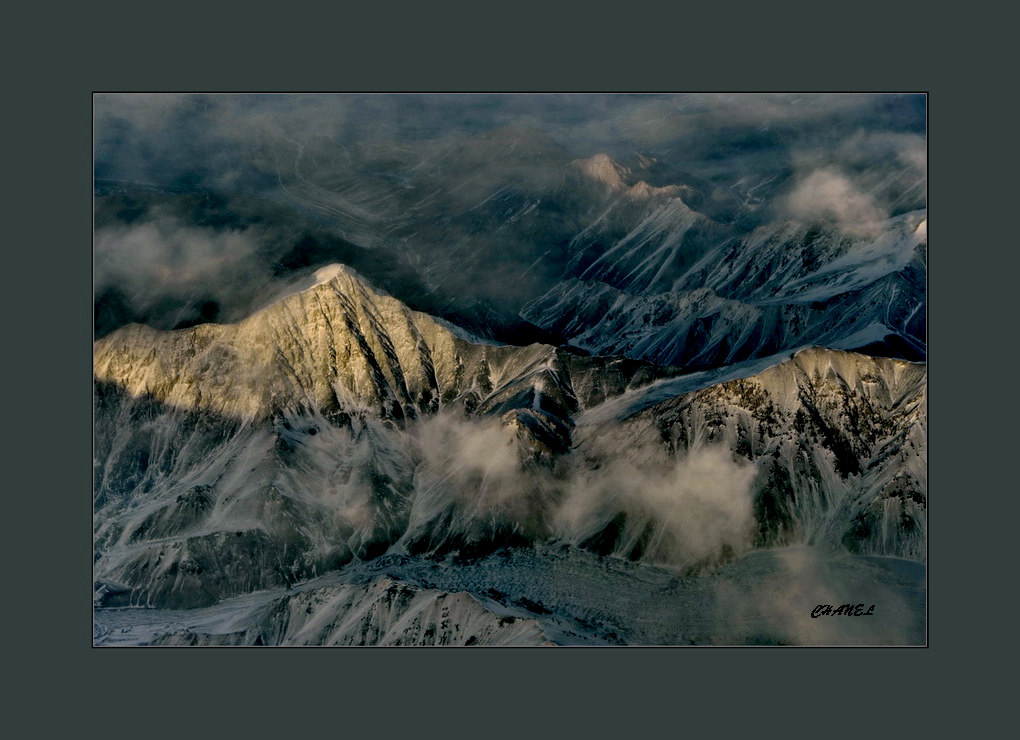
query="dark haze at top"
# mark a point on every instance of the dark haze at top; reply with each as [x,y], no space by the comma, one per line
[463,206]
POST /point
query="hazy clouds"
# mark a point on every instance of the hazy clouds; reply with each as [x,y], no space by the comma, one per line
[475,480]
[201,132]
[162,258]
[776,605]
[829,195]
[681,511]
[406,174]
[859,181]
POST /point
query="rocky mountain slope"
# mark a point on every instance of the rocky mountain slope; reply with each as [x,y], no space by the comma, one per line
[838,441]
[680,289]
[336,425]
[553,595]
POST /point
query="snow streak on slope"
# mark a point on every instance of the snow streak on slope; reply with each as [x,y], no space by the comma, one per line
[789,262]
[780,287]
[381,612]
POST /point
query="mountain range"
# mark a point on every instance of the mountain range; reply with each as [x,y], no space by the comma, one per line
[337,426]
[479,390]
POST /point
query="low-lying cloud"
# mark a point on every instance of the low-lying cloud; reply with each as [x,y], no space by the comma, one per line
[476,479]
[162,259]
[681,511]
[829,195]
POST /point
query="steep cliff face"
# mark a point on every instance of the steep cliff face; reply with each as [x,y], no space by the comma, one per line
[336,425]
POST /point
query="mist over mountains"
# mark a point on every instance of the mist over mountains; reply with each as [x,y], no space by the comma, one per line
[365,362]
[446,201]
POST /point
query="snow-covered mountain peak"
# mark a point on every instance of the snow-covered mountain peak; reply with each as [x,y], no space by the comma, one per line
[346,278]
[331,272]
[335,346]
[333,343]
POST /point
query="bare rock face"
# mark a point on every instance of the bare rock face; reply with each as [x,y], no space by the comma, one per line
[333,345]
